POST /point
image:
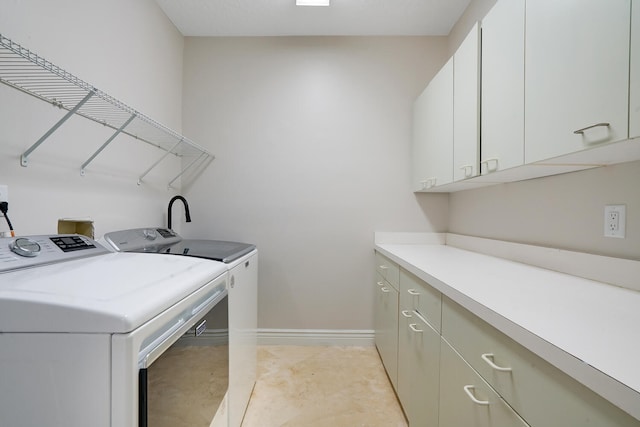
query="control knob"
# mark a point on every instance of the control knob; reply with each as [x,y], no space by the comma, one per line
[25,247]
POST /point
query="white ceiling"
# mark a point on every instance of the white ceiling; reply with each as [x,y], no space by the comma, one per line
[284,18]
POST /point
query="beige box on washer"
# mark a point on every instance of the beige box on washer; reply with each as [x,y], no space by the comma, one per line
[82,226]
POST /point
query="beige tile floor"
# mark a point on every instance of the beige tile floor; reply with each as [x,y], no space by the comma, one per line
[309,386]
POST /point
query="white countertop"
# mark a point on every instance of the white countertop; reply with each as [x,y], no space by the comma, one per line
[588,329]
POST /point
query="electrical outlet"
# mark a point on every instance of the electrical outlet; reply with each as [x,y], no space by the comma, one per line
[614,221]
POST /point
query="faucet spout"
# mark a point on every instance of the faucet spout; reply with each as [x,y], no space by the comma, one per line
[186,209]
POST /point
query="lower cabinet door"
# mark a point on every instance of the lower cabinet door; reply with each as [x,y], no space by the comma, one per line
[466,399]
[386,328]
[418,369]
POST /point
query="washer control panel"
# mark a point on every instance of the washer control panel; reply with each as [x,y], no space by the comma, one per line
[30,251]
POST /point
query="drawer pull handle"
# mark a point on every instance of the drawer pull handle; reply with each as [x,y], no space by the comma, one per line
[385,290]
[581,131]
[412,326]
[413,292]
[380,284]
[467,389]
[406,314]
[487,358]
[383,267]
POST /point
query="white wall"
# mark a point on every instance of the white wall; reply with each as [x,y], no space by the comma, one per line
[128,49]
[564,211]
[312,143]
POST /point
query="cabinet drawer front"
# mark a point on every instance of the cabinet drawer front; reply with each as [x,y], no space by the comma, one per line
[418,295]
[542,394]
[418,370]
[388,269]
[459,385]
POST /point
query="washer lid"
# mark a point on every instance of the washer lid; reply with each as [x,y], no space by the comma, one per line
[112,293]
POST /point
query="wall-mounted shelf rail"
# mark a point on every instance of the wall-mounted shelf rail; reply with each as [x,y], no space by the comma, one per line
[34,75]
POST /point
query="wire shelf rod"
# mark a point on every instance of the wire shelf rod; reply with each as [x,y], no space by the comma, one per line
[103,146]
[140,178]
[25,155]
[201,156]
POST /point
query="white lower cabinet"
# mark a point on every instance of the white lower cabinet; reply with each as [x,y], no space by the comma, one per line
[542,394]
[386,322]
[451,369]
[466,399]
[418,358]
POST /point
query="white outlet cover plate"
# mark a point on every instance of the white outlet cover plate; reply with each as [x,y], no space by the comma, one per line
[610,230]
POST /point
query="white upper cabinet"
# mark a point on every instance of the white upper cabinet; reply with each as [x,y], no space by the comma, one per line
[432,150]
[419,170]
[466,106]
[634,105]
[576,75]
[502,140]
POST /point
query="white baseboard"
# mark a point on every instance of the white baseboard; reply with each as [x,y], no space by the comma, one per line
[327,337]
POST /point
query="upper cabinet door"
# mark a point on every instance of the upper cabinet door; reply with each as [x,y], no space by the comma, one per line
[634,105]
[466,107]
[576,75]
[419,168]
[432,150]
[502,140]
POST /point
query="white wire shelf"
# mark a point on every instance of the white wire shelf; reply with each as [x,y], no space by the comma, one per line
[34,75]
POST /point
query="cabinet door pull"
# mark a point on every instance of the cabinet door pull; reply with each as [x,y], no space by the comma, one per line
[385,290]
[380,284]
[467,389]
[413,292]
[412,326]
[493,161]
[468,170]
[428,183]
[581,131]
[406,314]
[384,267]
[487,357]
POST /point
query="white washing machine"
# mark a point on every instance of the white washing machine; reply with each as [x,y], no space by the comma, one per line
[241,260]
[88,336]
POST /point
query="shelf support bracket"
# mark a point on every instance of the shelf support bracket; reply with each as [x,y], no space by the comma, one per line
[205,155]
[159,160]
[25,155]
[116,133]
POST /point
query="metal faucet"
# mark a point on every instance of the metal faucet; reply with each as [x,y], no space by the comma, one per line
[186,209]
